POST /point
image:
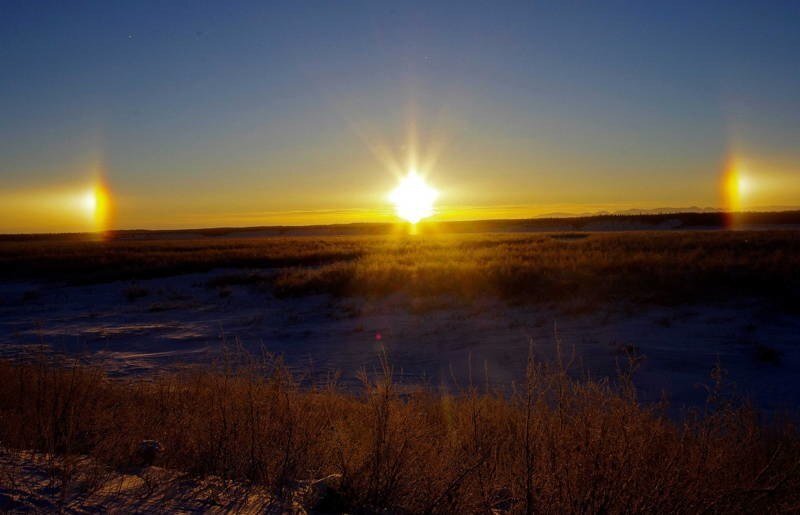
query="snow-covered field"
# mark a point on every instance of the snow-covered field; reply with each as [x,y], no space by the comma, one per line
[162,324]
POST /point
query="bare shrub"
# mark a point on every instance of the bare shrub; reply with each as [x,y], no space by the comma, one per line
[548,443]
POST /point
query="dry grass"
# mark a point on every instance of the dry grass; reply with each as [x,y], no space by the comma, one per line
[656,267]
[660,267]
[99,261]
[548,443]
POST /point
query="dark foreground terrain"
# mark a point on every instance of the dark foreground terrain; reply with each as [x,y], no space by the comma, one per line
[549,443]
[569,371]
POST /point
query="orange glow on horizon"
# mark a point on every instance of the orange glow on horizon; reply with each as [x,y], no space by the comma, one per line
[737,184]
[97,204]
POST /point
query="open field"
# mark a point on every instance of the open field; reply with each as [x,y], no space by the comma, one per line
[651,266]
[110,343]
[682,299]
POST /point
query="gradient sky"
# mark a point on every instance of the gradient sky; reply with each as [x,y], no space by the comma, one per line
[249,113]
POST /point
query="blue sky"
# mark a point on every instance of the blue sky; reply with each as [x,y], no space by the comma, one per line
[200,113]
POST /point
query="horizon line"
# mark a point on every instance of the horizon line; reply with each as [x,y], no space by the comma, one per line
[627,213]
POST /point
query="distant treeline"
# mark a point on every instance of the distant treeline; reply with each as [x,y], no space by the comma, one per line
[603,222]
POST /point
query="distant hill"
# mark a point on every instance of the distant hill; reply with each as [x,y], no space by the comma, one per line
[636,211]
[631,220]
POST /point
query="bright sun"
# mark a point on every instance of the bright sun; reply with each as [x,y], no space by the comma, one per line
[413,199]
[96,203]
[90,202]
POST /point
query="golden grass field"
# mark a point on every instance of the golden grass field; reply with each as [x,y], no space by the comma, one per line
[552,444]
[651,266]
[553,440]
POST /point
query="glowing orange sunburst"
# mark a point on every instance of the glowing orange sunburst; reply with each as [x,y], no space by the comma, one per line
[413,198]
[97,204]
[736,185]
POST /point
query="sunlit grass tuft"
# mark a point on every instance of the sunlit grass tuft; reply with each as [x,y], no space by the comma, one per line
[546,443]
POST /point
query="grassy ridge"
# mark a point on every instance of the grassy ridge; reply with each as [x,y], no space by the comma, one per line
[554,445]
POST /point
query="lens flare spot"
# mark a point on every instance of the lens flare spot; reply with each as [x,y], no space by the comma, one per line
[413,199]
[737,186]
[743,186]
[97,205]
[90,203]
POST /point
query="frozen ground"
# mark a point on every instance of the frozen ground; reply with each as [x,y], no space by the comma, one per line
[36,483]
[155,325]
